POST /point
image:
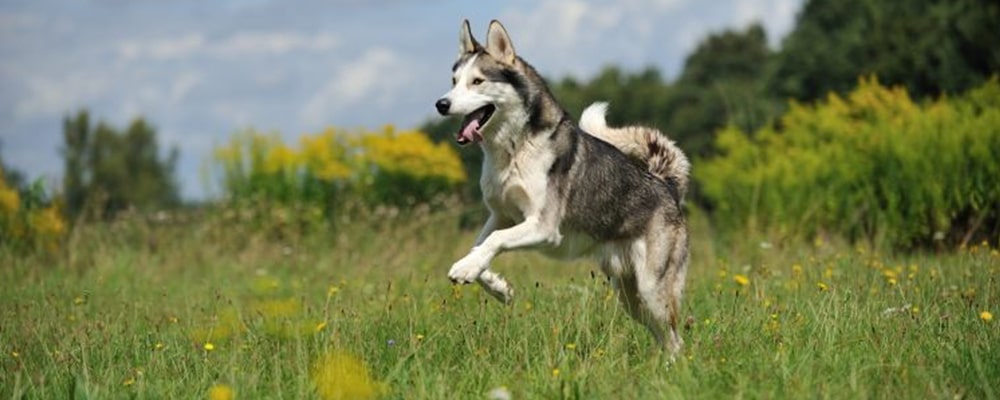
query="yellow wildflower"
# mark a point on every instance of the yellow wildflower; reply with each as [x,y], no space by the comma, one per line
[822,286]
[221,392]
[570,346]
[555,372]
[10,200]
[280,158]
[266,284]
[339,376]
[279,308]
[209,346]
[986,316]
[48,223]
[324,156]
[741,279]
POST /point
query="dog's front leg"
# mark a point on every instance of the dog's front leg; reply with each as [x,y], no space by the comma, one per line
[531,232]
[492,282]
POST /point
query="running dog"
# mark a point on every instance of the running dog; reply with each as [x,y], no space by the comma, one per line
[567,190]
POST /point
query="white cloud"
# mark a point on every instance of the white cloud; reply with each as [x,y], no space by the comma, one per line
[371,80]
[162,49]
[252,43]
[233,114]
[238,44]
[182,84]
[53,96]
[12,21]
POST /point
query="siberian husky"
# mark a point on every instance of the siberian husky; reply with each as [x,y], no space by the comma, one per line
[611,193]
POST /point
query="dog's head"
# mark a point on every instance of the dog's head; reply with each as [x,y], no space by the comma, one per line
[482,83]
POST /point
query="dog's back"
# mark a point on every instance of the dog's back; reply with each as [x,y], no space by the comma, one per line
[663,158]
[612,196]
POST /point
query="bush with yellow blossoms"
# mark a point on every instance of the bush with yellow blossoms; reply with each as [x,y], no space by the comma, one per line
[406,168]
[873,165]
[29,222]
[332,168]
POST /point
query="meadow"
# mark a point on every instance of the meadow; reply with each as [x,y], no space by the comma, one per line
[206,306]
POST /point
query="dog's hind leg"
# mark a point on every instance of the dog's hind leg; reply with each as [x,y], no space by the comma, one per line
[621,267]
[655,285]
[660,282]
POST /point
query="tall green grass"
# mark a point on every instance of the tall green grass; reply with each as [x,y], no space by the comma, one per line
[146,309]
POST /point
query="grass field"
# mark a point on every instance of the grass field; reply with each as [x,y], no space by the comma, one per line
[206,309]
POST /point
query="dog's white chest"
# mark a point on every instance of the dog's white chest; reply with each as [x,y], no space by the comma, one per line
[516,187]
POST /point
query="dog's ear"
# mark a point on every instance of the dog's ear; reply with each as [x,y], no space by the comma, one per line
[498,43]
[466,43]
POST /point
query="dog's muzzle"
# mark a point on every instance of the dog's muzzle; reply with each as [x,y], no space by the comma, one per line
[443,105]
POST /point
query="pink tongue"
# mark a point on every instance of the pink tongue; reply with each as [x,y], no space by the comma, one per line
[471,131]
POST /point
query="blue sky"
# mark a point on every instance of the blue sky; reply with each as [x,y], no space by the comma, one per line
[201,70]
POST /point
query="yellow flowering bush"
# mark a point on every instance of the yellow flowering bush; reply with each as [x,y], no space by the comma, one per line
[29,222]
[328,168]
[404,168]
[872,165]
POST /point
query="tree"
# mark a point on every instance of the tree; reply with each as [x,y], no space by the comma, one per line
[930,46]
[112,170]
[719,86]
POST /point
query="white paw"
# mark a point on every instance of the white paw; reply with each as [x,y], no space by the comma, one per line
[467,269]
[497,286]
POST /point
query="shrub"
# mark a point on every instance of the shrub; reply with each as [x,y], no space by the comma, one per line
[332,168]
[874,165]
[407,168]
[28,221]
[255,166]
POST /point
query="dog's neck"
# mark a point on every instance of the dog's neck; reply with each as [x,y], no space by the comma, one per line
[521,123]
[516,132]
[508,137]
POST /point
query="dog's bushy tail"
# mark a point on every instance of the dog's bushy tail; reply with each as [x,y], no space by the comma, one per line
[662,157]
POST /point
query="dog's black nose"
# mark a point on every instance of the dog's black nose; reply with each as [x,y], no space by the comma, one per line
[443,105]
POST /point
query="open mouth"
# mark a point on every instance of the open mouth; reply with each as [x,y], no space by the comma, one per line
[473,123]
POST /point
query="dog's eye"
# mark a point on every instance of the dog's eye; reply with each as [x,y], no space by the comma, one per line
[453,81]
[477,81]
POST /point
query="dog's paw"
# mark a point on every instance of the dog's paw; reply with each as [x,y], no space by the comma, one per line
[497,286]
[467,269]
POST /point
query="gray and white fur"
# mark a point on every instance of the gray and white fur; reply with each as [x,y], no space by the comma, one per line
[568,191]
